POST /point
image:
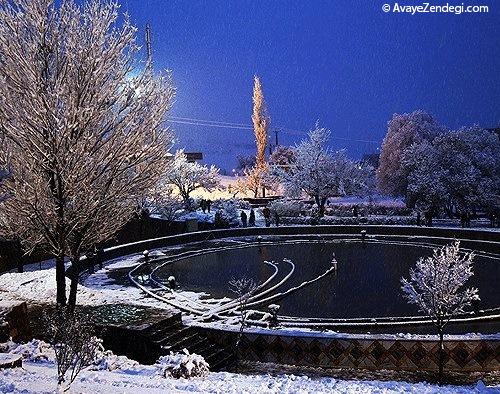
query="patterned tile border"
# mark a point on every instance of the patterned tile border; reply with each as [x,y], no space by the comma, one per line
[468,355]
[372,354]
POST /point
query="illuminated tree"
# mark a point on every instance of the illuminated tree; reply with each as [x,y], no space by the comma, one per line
[82,126]
[188,177]
[261,121]
[255,179]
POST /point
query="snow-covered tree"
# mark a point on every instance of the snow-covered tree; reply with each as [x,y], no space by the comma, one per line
[282,156]
[426,189]
[163,201]
[457,171]
[320,173]
[255,179]
[81,123]
[436,287]
[471,159]
[188,177]
[403,131]
[261,122]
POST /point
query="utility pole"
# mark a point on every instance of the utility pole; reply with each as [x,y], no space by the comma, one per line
[276,131]
[276,143]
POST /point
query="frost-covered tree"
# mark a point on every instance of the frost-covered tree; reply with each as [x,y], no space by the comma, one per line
[471,159]
[255,179]
[403,131]
[436,287]
[81,123]
[282,158]
[457,171]
[163,201]
[261,122]
[188,177]
[320,173]
[426,189]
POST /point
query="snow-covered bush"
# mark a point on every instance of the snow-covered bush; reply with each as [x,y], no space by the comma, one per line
[365,209]
[333,220]
[227,213]
[286,207]
[220,220]
[243,204]
[106,360]
[35,350]
[72,338]
[182,365]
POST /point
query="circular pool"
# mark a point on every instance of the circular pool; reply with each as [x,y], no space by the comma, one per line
[293,268]
[364,284]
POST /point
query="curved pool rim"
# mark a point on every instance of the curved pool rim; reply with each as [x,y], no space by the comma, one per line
[483,240]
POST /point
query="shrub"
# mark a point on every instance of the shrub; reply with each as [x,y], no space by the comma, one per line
[287,207]
[183,365]
[227,213]
[346,221]
[72,337]
[365,209]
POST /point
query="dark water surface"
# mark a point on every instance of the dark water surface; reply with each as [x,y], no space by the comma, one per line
[367,282]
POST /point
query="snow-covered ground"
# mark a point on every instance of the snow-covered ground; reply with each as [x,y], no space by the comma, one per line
[40,286]
[41,378]
[112,374]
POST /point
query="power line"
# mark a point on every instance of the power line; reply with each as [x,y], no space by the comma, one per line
[223,126]
[209,121]
[242,126]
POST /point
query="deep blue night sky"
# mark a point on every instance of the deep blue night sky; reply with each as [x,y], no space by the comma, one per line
[344,62]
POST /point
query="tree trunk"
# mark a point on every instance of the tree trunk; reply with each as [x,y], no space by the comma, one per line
[320,202]
[441,356]
[72,291]
[60,280]
[75,274]
[19,257]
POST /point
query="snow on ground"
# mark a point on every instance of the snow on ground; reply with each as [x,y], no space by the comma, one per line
[40,286]
[40,377]
[98,288]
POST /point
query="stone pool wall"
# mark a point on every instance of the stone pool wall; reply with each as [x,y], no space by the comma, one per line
[476,239]
[371,353]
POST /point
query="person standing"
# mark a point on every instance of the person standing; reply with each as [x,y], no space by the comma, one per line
[244,219]
[251,219]
[267,216]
